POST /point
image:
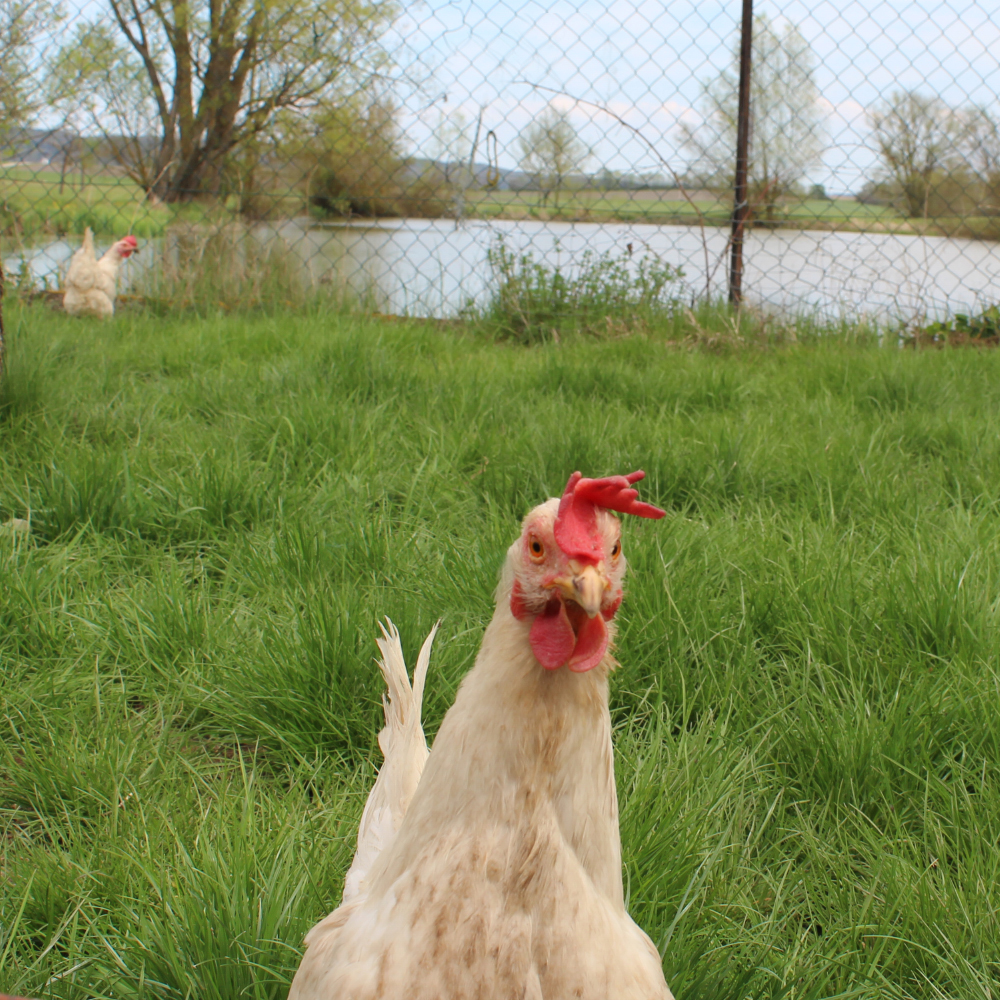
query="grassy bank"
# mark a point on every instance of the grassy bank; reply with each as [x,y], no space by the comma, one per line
[670,207]
[808,740]
[703,208]
[36,202]
[40,201]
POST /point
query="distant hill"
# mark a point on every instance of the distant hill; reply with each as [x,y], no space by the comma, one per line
[38,146]
[503,179]
[33,145]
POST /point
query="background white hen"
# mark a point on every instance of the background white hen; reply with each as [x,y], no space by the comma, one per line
[503,878]
[91,284]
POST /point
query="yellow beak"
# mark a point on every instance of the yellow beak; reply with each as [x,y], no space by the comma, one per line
[585,587]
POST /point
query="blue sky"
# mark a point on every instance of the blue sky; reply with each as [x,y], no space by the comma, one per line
[648,62]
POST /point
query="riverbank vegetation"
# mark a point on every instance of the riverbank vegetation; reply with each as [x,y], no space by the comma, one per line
[221,507]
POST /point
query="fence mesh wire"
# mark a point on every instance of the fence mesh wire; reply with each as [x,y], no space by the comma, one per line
[434,158]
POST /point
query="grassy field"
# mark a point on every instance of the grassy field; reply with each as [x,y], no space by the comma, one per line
[808,738]
[34,202]
[665,207]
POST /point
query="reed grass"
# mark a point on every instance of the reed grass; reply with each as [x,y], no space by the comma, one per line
[225,265]
[221,508]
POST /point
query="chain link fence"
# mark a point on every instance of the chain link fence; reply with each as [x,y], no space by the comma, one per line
[454,157]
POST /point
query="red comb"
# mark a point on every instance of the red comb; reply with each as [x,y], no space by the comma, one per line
[130,240]
[576,523]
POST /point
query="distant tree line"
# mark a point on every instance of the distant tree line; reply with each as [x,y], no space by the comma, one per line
[934,160]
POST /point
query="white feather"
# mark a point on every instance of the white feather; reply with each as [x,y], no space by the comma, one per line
[404,748]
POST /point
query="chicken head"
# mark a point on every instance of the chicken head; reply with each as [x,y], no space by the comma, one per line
[568,569]
[126,246]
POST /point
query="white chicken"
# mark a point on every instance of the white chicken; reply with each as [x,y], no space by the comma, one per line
[91,284]
[501,878]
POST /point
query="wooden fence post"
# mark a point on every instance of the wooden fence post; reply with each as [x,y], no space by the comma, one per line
[741,206]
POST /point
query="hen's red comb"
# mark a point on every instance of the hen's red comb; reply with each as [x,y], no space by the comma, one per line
[576,523]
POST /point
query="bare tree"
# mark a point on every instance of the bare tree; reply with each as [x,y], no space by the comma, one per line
[920,141]
[184,84]
[787,133]
[551,151]
[982,153]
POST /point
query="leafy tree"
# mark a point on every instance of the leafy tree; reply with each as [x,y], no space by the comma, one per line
[23,24]
[608,179]
[787,133]
[186,84]
[919,140]
[551,151]
[359,169]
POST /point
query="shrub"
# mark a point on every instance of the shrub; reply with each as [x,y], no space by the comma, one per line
[981,330]
[532,302]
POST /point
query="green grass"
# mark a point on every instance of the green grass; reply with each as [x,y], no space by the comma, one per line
[36,202]
[807,732]
[846,215]
[33,202]
[654,207]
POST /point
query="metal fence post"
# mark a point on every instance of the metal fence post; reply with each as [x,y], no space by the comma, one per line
[741,208]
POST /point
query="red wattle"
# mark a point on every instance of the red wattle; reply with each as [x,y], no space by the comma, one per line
[591,644]
[551,636]
[554,643]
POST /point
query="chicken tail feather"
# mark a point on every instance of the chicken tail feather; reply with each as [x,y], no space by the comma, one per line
[404,748]
[420,673]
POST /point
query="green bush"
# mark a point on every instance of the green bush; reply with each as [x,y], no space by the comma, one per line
[533,303]
[962,328]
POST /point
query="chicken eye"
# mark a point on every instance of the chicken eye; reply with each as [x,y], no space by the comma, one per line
[616,550]
[536,549]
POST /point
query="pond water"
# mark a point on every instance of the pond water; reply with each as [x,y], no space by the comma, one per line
[434,267]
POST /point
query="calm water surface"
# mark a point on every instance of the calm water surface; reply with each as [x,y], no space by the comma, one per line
[434,267]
